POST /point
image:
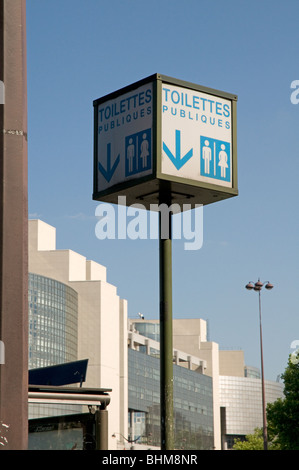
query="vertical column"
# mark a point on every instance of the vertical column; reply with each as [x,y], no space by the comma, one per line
[132,425]
[166,347]
[13,224]
[101,429]
[265,436]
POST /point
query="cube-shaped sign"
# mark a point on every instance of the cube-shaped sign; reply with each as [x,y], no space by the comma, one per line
[165,140]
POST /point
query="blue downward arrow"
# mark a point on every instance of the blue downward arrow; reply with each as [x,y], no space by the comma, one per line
[110,170]
[176,159]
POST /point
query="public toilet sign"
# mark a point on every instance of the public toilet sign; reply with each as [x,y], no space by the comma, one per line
[165,136]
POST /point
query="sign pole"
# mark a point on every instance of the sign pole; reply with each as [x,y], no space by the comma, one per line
[150,146]
[166,348]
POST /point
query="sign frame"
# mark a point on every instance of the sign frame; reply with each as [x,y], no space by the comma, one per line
[149,189]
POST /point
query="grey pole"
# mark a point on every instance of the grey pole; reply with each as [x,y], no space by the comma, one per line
[257,286]
[101,429]
[265,436]
[166,348]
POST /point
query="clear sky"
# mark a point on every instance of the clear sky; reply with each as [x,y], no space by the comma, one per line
[79,51]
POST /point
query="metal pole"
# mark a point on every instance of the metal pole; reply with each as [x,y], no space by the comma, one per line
[101,429]
[263,382]
[166,348]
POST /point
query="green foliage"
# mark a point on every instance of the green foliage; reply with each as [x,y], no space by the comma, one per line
[255,442]
[252,442]
[283,414]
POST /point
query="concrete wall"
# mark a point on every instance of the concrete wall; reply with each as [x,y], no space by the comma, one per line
[231,363]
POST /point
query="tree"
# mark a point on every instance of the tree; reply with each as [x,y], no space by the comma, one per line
[255,442]
[252,441]
[283,414]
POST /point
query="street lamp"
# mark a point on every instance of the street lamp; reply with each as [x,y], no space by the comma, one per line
[257,286]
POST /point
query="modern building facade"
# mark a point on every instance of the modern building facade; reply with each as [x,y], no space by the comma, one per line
[241,405]
[99,331]
[192,391]
[53,322]
[74,313]
[53,331]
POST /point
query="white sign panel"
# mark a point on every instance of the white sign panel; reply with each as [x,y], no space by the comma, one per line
[196,136]
[124,137]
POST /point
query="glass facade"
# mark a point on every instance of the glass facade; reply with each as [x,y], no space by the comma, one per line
[53,318]
[252,372]
[149,330]
[53,332]
[193,404]
[242,399]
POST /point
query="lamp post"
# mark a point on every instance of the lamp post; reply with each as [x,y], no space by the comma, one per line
[257,286]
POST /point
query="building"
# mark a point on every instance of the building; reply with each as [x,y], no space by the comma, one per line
[236,387]
[241,405]
[76,314]
[192,390]
[101,315]
[53,322]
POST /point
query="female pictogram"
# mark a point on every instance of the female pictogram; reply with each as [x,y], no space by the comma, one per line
[223,161]
[144,150]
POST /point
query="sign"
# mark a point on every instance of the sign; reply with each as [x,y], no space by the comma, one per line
[161,135]
[124,137]
[197,136]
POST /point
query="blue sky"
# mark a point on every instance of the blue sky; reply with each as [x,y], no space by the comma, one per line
[79,51]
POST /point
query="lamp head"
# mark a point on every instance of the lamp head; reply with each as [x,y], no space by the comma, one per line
[269,286]
[257,286]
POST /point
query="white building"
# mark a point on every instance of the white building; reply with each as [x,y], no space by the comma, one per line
[102,318]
